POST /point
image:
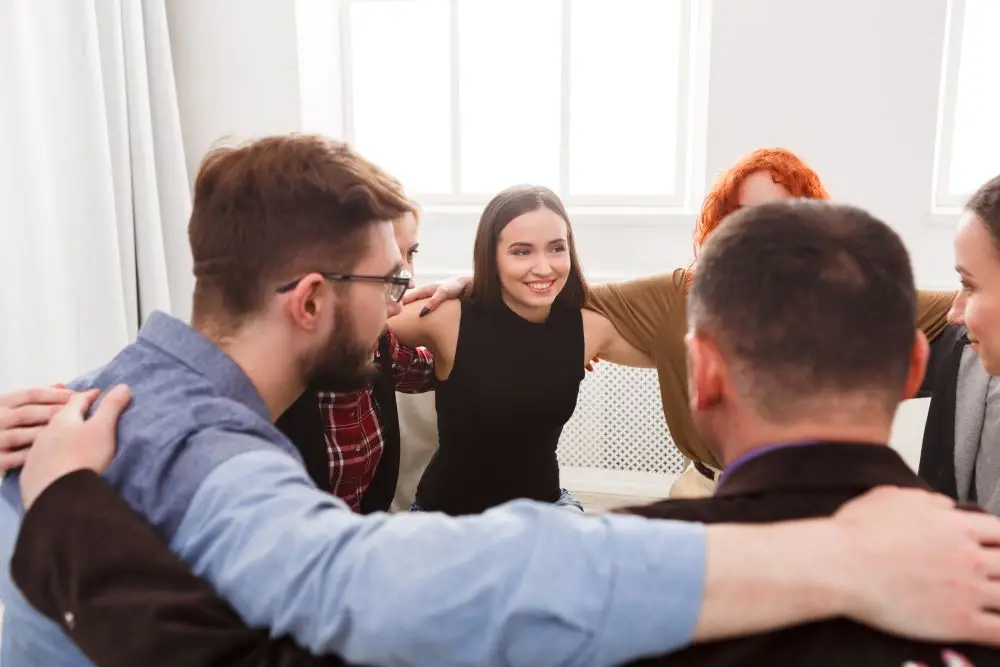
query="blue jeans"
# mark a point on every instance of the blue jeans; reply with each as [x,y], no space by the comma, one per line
[566,499]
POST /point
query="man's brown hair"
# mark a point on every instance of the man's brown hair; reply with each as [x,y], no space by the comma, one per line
[807,300]
[275,208]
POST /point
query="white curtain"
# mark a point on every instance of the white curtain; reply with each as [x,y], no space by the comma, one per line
[94,195]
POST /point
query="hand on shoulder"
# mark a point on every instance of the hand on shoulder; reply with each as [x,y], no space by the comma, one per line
[433,295]
[22,414]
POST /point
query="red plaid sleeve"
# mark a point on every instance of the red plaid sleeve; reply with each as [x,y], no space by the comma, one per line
[412,368]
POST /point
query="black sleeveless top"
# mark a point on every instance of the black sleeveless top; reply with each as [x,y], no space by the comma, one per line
[513,387]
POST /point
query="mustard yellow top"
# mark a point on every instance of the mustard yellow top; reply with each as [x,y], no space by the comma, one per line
[651,314]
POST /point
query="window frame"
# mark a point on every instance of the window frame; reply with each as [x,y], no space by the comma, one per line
[691,115]
[944,198]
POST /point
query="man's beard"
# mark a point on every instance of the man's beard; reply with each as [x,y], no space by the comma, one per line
[344,364]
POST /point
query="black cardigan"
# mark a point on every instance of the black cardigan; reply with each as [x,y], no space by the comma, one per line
[937,453]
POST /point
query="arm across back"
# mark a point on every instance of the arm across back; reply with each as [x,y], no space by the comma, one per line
[604,341]
[412,367]
[639,309]
[932,312]
[651,314]
[502,588]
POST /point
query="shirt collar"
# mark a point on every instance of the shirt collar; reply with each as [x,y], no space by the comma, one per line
[816,466]
[754,453]
[202,356]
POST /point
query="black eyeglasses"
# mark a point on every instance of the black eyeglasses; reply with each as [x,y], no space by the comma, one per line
[395,286]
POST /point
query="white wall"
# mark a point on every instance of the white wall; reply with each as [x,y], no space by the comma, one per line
[851,85]
[236,68]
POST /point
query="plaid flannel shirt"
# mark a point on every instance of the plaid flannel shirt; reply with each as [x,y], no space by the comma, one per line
[353,432]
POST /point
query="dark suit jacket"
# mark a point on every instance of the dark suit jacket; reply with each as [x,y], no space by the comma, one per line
[795,483]
[303,424]
[937,454]
[89,563]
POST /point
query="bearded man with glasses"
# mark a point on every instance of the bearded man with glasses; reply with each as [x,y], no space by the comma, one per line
[347,428]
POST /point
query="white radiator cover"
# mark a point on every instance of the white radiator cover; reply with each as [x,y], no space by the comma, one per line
[617,441]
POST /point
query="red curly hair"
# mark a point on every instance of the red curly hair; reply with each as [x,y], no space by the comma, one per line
[786,169]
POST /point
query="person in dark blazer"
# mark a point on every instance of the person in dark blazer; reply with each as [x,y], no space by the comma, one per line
[802,481]
[350,440]
[801,411]
[77,553]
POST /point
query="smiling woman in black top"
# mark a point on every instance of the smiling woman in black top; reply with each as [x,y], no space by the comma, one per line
[509,358]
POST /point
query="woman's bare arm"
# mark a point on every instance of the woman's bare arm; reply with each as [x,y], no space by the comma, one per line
[411,329]
[436,330]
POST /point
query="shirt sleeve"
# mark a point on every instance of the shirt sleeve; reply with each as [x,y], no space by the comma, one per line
[638,309]
[77,532]
[932,312]
[525,584]
[412,367]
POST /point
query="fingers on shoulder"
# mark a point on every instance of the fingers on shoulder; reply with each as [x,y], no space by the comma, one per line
[114,403]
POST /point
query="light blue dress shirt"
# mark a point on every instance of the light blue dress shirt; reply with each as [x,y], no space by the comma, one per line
[525,584]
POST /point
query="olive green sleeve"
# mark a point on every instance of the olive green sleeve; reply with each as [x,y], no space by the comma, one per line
[637,308]
[932,312]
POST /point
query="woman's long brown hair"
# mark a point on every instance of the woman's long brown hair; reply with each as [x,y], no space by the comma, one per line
[509,204]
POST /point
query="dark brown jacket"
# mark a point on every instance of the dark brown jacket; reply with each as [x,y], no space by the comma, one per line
[87,561]
[802,482]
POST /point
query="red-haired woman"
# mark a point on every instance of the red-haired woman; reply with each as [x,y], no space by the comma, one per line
[651,313]
[765,175]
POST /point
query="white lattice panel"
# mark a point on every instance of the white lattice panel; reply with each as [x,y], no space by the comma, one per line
[616,443]
[618,425]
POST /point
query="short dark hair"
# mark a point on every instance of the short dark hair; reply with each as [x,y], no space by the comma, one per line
[985,205]
[807,299]
[277,207]
[502,209]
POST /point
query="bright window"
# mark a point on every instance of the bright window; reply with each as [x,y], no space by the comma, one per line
[969,142]
[462,98]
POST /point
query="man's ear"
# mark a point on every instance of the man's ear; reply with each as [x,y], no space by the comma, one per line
[919,355]
[704,372]
[307,301]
